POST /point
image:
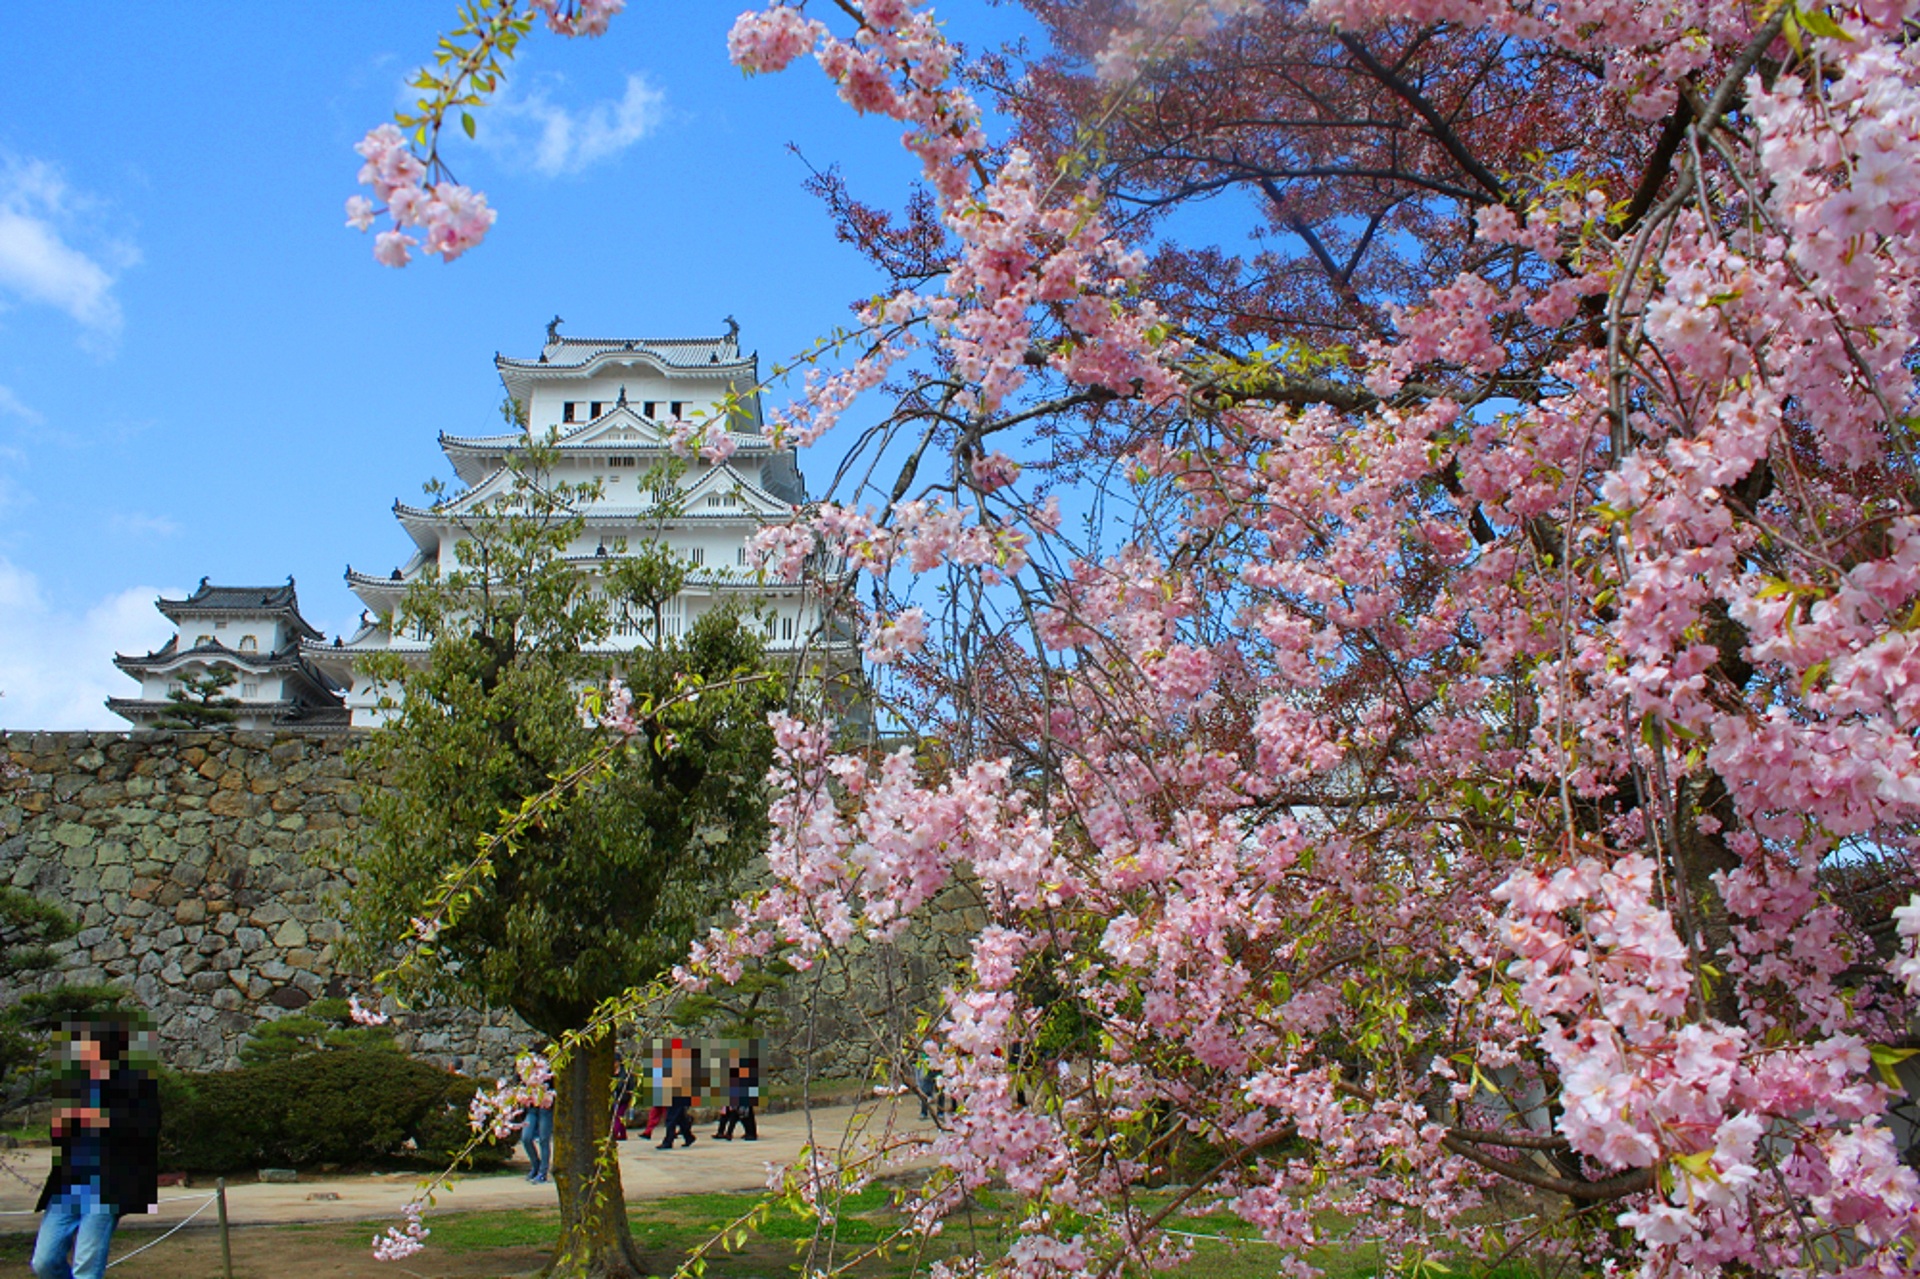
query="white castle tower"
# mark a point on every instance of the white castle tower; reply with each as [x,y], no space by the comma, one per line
[608,404]
[257,633]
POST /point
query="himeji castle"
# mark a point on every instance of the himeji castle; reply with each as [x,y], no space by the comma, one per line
[608,407]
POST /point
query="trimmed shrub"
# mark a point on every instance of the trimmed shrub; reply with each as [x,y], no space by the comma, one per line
[341,1106]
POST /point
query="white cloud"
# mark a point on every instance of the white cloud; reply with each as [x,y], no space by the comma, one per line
[135,525]
[56,667]
[12,405]
[39,217]
[533,131]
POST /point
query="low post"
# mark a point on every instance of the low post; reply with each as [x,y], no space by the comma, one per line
[226,1247]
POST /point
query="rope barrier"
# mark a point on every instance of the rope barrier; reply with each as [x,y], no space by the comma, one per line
[163,1238]
[34,1212]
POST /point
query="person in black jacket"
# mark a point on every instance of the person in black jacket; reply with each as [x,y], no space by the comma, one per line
[107,1157]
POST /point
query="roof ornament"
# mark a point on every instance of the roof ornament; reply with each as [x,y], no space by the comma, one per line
[601,550]
[553,330]
[623,395]
[733,334]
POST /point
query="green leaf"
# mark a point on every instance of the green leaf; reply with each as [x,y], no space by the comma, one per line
[1818,22]
[1885,1058]
[466,122]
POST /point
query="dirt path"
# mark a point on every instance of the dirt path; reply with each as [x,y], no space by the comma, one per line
[645,1171]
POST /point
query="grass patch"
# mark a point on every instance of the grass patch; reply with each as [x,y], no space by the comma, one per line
[667,1230]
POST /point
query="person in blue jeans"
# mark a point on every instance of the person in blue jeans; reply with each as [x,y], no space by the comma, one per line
[536,1138]
[107,1151]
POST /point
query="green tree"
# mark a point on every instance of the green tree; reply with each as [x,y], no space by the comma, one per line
[201,701]
[30,930]
[325,1025]
[606,889]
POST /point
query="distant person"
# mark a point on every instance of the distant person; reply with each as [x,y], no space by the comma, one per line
[680,1071]
[933,1101]
[106,1159]
[536,1129]
[743,1081]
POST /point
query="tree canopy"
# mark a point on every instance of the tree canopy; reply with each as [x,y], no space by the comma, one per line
[604,890]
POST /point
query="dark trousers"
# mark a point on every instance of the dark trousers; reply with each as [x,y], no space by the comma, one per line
[740,1116]
[679,1122]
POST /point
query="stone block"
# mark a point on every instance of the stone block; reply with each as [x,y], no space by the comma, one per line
[290,935]
[190,911]
[74,835]
[231,803]
[228,1000]
[250,939]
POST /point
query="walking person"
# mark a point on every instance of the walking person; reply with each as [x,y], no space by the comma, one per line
[680,1085]
[107,1151]
[743,1082]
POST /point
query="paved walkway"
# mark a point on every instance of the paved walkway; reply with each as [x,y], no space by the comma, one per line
[645,1172]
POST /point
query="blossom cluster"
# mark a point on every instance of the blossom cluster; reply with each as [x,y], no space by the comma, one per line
[401,1242]
[453,218]
[501,1110]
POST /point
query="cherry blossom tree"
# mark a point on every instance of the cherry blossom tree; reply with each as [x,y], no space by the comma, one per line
[1427,705]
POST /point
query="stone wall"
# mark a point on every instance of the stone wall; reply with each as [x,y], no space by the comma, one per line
[206,871]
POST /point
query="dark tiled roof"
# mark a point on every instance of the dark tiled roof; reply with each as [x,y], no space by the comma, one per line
[240,599]
[683,353]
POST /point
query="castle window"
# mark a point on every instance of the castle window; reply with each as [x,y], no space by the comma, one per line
[198,640]
[595,409]
[697,556]
[250,688]
[679,407]
[248,644]
[623,461]
[723,499]
[786,628]
[740,556]
[566,411]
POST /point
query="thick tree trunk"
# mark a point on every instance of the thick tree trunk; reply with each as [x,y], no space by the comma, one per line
[594,1240]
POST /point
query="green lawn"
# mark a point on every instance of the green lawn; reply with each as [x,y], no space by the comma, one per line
[668,1230]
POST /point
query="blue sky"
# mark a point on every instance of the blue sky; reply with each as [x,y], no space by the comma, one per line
[203,372]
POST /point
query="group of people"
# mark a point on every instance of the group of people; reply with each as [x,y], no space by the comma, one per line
[673,1078]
